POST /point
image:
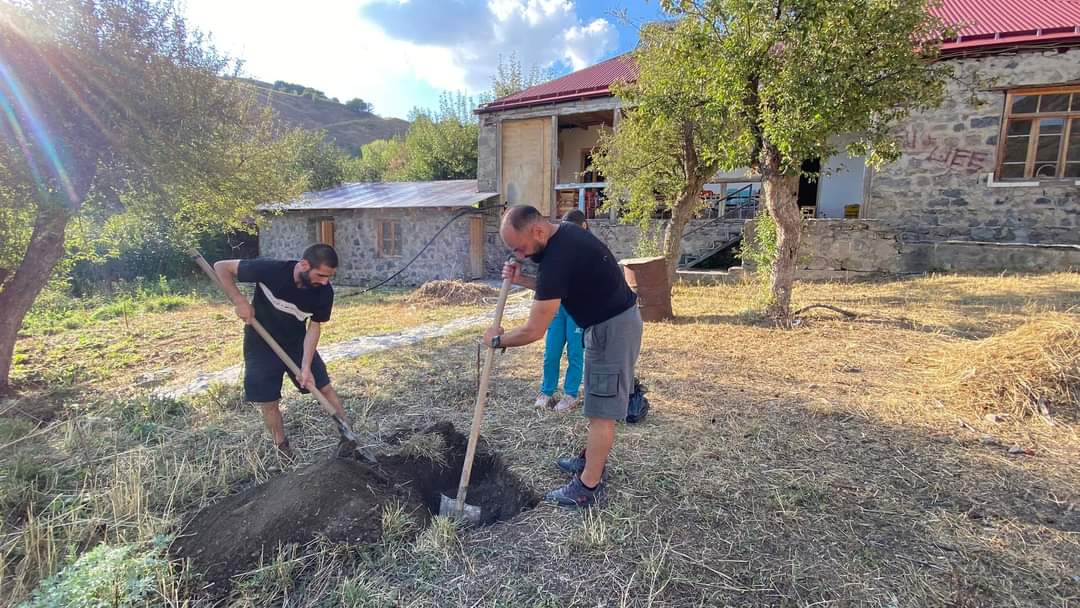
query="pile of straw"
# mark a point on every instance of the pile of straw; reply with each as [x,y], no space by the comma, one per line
[1033,369]
[453,292]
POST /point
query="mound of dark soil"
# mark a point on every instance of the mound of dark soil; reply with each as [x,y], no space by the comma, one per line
[343,500]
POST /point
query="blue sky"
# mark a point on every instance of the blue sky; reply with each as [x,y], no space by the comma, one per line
[398,54]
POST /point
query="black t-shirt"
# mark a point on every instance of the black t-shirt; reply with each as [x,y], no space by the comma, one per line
[281,306]
[579,269]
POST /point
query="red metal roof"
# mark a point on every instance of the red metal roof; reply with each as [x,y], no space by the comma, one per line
[593,81]
[987,24]
[996,23]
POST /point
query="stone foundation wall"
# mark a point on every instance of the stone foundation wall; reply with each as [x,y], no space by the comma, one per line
[974,256]
[844,249]
[701,237]
[940,188]
[853,249]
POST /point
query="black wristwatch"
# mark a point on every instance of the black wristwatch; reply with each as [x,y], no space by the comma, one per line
[496,342]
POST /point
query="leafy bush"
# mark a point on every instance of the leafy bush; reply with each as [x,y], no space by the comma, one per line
[761,251]
[105,576]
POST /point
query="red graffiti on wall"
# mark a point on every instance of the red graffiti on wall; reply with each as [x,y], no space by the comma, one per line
[946,153]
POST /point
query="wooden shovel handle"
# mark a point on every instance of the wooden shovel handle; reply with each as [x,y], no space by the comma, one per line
[280,352]
[478,410]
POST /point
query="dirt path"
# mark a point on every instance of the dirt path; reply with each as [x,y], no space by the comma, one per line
[355,347]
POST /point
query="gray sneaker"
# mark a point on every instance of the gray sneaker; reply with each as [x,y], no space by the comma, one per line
[575,494]
[575,465]
[572,464]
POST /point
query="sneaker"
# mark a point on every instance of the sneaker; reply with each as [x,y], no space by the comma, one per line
[566,404]
[285,452]
[575,494]
[573,464]
[543,401]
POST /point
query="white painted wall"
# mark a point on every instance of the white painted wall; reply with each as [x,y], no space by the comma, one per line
[841,183]
[571,143]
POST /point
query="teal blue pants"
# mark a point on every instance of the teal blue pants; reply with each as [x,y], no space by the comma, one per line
[563,332]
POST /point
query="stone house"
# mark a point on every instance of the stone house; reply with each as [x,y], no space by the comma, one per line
[992,184]
[377,228]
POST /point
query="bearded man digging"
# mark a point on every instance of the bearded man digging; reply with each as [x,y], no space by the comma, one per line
[293,298]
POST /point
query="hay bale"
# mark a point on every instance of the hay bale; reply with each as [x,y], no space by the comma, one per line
[1033,369]
[453,292]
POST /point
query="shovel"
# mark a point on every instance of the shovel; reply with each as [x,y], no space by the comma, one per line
[456,507]
[342,426]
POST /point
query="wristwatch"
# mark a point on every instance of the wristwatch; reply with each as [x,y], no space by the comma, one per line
[496,341]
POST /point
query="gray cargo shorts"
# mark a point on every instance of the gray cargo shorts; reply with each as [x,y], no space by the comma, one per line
[611,350]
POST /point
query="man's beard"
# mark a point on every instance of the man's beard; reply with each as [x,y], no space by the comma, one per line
[305,280]
[538,256]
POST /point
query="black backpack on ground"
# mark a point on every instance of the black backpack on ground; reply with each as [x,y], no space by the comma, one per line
[639,404]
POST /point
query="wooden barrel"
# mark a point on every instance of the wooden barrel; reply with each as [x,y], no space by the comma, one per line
[648,278]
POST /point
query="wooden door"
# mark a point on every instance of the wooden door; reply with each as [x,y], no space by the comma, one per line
[526,163]
[476,247]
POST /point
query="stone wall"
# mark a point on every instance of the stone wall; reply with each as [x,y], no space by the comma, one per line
[845,249]
[974,256]
[853,249]
[356,239]
[940,188]
[622,239]
[702,236]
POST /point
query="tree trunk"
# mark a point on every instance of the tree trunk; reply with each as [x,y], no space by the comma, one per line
[681,214]
[781,199]
[45,250]
[680,217]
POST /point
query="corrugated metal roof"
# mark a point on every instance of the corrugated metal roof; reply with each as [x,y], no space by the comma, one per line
[993,23]
[384,195]
[593,81]
[987,24]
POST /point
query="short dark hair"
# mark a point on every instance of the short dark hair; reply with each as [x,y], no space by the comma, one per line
[321,254]
[575,216]
[522,216]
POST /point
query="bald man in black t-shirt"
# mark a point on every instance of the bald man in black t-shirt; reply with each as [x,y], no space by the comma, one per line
[578,271]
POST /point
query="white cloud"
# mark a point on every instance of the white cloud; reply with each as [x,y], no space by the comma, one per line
[581,42]
[541,32]
[329,47]
[398,53]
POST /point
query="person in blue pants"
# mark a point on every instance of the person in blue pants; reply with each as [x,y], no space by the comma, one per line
[563,332]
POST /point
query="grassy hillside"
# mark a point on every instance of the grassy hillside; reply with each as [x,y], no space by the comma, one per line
[347,128]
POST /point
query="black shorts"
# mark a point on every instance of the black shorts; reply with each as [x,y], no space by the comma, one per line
[263,370]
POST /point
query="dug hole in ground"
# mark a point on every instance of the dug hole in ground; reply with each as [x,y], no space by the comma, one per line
[343,500]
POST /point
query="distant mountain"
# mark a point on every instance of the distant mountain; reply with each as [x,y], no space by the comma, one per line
[345,127]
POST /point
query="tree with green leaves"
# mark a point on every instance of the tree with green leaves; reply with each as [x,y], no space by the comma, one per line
[440,144]
[659,158]
[382,160]
[443,144]
[118,106]
[789,75]
[359,106]
[510,77]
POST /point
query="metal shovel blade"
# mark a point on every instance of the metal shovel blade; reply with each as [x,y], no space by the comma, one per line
[347,433]
[448,508]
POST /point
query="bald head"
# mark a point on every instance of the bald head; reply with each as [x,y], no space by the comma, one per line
[525,231]
[520,217]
